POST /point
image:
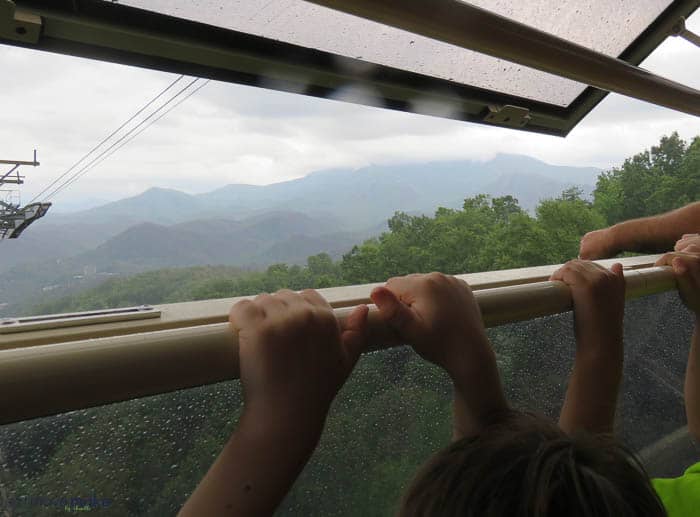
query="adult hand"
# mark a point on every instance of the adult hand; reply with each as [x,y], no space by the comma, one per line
[597,244]
[293,354]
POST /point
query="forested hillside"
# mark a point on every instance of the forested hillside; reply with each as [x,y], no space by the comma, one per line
[484,234]
[351,200]
[147,455]
[255,226]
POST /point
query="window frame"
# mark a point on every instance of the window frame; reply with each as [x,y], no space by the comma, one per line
[126,35]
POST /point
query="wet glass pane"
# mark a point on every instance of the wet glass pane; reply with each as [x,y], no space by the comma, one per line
[605,26]
[144,457]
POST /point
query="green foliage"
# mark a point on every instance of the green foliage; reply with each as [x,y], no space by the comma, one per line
[486,234]
[563,222]
[197,283]
[657,180]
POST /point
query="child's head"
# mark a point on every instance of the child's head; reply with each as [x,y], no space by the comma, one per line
[524,465]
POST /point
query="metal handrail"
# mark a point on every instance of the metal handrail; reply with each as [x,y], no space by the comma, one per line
[49,379]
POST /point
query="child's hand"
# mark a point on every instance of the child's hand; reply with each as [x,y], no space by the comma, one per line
[436,314]
[599,303]
[686,269]
[293,355]
[293,359]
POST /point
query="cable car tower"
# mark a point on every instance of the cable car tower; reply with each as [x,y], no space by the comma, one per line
[14,218]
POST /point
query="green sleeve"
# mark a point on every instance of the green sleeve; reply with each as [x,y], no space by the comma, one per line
[681,495]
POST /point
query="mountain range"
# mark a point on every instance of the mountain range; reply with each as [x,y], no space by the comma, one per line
[254,226]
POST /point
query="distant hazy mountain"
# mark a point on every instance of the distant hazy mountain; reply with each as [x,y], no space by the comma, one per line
[254,242]
[158,205]
[347,200]
[78,204]
[254,226]
[361,197]
[357,197]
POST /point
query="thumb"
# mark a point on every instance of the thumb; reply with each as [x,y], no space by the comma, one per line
[618,271]
[679,266]
[354,334]
[684,277]
[392,310]
[684,280]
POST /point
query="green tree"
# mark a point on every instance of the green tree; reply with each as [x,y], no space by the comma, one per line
[562,222]
[653,181]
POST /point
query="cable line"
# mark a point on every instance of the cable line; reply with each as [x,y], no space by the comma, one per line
[149,103]
[149,125]
[87,167]
[115,145]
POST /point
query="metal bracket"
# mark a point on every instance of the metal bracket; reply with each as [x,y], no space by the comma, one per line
[17,24]
[53,321]
[12,225]
[509,116]
[679,29]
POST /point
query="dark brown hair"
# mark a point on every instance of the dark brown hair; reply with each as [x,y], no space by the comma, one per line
[524,465]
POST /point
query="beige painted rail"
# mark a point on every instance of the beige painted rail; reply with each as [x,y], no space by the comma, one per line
[47,379]
[205,312]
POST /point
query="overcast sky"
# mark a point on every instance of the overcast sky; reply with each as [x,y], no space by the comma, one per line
[227,133]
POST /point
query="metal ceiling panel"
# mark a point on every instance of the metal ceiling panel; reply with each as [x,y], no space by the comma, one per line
[608,27]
